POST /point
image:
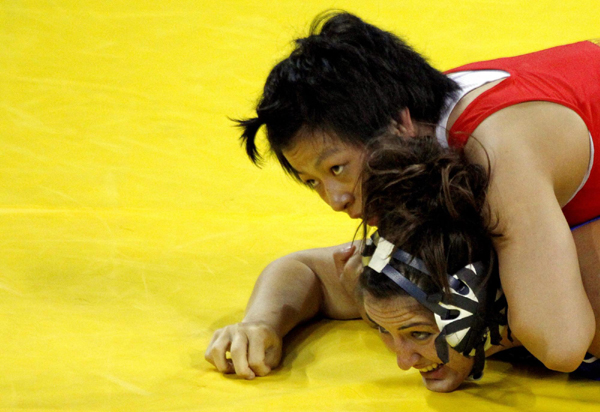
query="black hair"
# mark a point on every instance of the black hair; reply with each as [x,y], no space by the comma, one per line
[347,78]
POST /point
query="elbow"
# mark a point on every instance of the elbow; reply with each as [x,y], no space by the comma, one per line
[561,349]
[563,360]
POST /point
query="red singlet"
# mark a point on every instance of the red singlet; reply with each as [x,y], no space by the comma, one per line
[567,75]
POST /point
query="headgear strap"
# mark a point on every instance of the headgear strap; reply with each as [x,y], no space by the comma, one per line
[470,317]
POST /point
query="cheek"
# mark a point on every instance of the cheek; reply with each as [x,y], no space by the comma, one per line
[321,193]
[355,178]
[387,340]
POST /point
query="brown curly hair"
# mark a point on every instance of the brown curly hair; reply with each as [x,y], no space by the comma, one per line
[430,201]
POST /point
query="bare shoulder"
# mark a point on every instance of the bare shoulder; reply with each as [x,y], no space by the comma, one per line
[537,138]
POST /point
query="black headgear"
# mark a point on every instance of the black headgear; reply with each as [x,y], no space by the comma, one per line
[470,317]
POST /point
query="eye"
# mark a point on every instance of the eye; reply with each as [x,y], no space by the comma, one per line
[337,169]
[311,183]
[420,335]
[382,330]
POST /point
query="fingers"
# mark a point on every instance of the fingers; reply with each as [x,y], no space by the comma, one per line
[341,256]
[254,349]
[256,358]
[273,353]
[239,356]
[263,355]
[273,356]
[216,353]
[349,277]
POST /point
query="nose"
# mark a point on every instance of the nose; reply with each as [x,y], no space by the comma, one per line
[338,197]
[406,357]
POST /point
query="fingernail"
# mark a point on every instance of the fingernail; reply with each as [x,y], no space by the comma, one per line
[346,249]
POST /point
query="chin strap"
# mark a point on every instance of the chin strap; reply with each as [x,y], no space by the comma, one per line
[470,317]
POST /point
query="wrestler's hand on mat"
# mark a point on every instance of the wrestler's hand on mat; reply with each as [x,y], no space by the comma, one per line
[254,349]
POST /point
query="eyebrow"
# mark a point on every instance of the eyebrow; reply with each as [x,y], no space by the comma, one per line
[325,154]
[321,158]
[410,325]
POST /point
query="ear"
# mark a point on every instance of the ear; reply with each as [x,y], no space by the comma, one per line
[406,127]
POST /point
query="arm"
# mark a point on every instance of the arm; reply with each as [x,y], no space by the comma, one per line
[587,241]
[290,290]
[549,310]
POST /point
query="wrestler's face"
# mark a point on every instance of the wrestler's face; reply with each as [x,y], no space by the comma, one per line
[409,330]
[330,167]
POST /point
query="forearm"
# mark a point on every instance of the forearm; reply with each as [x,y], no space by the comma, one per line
[548,309]
[286,293]
[289,291]
[553,319]
[560,343]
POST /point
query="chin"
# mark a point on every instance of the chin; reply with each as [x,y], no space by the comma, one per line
[442,385]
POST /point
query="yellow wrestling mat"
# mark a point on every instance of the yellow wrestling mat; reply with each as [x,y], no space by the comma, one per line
[132,225]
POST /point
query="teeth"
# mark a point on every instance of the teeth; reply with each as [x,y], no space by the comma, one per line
[430,367]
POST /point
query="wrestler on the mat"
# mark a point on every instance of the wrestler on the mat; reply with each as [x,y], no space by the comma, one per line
[532,119]
[440,240]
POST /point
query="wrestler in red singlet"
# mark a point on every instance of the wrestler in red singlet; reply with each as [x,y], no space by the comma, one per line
[568,75]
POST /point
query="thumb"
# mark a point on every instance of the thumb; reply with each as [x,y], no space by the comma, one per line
[341,256]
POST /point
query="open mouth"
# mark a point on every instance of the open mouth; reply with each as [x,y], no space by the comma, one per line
[431,368]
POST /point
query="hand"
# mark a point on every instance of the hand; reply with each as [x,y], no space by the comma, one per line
[255,349]
[349,267]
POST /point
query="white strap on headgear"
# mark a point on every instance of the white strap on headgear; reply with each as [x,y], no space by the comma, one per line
[455,338]
[382,255]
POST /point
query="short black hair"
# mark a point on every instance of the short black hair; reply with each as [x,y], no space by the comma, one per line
[347,78]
